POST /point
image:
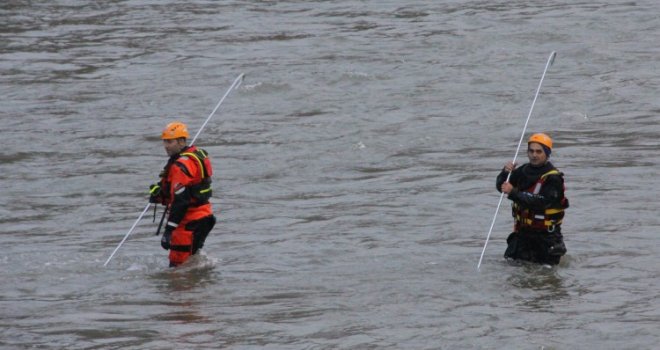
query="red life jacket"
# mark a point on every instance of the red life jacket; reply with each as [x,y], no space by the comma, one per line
[196,165]
[546,220]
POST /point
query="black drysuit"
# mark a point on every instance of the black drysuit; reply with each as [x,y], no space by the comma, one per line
[540,245]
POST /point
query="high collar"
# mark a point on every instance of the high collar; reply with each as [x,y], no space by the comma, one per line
[535,171]
[176,156]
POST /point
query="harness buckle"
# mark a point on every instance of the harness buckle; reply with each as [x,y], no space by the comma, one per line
[551,228]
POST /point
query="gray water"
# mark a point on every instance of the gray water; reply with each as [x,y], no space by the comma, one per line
[354,179]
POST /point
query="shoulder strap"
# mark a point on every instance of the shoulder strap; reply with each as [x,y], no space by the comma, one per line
[199,159]
[551,172]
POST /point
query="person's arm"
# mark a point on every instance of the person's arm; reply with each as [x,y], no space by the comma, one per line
[549,196]
[501,178]
[180,194]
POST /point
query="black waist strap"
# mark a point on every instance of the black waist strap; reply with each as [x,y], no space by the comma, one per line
[181,248]
[198,204]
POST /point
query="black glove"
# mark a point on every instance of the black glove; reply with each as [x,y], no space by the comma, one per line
[154,193]
[167,237]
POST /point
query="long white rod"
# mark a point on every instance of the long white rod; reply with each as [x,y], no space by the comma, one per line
[551,59]
[237,82]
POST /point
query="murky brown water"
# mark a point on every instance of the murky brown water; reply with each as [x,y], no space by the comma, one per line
[355,173]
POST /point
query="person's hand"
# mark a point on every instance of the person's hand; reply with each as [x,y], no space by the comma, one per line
[167,238]
[154,193]
[510,166]
[507,187]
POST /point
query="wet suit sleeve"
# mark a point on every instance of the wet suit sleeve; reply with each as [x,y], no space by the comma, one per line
[549,196]
[181,194]
[502,177]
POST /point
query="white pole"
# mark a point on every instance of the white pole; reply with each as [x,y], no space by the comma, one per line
[551,59]
[128,233]
[237,82]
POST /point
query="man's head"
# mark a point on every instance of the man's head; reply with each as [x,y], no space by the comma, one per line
[174,137]
[539,148]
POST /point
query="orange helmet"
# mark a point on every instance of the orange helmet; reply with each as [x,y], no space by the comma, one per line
[543,139]
[175,130]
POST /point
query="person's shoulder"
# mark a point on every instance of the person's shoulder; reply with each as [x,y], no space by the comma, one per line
[553,170]
[183,160]
[183,164]
[554,176]
[186,156]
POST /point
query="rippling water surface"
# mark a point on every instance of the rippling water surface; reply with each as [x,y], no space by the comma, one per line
[355,173]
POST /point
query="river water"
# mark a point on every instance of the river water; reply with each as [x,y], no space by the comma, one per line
[355,172]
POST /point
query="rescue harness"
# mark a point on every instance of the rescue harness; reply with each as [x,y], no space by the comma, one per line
[200,192]
[549,218]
